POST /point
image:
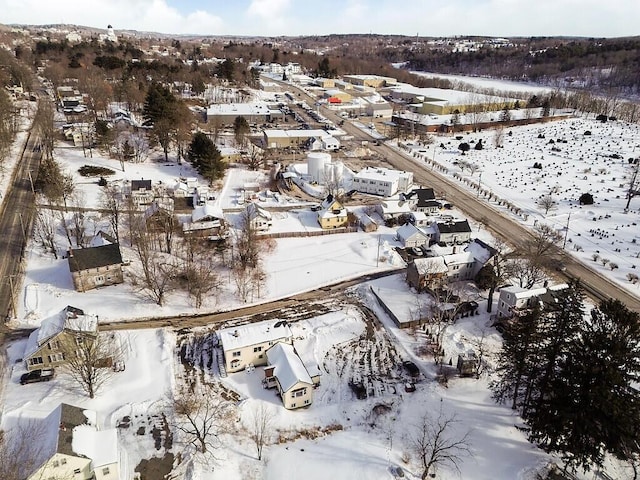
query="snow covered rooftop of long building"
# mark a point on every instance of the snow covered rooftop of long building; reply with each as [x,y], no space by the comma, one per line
[245,335]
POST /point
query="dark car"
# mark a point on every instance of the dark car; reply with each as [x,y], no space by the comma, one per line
[37,376]
[411,368]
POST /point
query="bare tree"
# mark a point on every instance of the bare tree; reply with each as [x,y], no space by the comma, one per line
[21,450]
[528,272]
[260,427]
[112,202]
[202,417]
[156,279]
[45,231]
[498,136]
[633,189]
[542,245]
[546,202]
[254,158]
[89,359]
[333,182]
[437,445]
[43,123]
[199,272]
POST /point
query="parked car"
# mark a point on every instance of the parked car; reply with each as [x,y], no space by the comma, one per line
[416,251]
[34,376]
[411,368]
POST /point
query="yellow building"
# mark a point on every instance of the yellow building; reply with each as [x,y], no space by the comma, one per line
[332,214]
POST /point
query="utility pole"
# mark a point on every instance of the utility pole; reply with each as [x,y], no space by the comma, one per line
[566,232]
[378,253]
[479,183]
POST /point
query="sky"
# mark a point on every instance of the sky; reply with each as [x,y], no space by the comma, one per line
[591,18]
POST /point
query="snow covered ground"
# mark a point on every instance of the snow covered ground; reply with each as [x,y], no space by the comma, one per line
[578,155]
[340,435]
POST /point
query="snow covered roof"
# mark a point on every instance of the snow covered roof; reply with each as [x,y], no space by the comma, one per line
[380,173]
[430,265]
[254,210]
[239,109]
[100,446]
[70,318]
[289,369]
[520,293]
[233,338]
[409,230]
[296,133]
[480,251]
[206,211]
[459,258]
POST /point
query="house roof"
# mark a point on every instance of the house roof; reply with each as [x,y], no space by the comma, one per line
[70,318]
[289,368]
[206,212]
[94,257]
[430,265]
[381,174]
[233,338]
[423,195]
[480,251]
[408,231]
[461,226]
[254,210]
[140,185]
[101,446]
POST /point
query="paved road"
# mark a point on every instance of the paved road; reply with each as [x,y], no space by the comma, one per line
[510,230]
[16,217]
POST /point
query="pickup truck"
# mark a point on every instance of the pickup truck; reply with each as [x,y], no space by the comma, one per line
[37,376]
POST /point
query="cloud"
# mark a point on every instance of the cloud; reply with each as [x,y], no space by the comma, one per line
[143,15]
[268,9]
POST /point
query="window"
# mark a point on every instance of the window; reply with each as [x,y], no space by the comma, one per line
[35,361]
[299,392]
[105,471]
[236,354]
[306,402]
[56,464]
[76,471]
[293,405]
[257,349]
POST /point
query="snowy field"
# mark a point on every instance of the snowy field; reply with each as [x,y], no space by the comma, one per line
[572,163]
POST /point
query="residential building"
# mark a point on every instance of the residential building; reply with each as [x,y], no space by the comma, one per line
[382,181]
[411,236]
[426,273]
[422,200]
[516,300]
[246,345]
[73,448]
[95,267]
[207,220]
[55,341]
[287,372]
[140,192]
[453,232]
[259,218]
[332,214]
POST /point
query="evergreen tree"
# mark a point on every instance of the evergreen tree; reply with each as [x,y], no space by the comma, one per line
[517,361]
[596,407]
[205,157]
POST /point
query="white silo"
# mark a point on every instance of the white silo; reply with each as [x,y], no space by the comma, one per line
[316,165]
[333,172]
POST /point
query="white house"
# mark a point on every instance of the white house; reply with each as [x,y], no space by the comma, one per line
[453,232]
[411,236]
[290,375]
[246,344]
[260,218]
[73,448]
[382,181]
[514,299]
